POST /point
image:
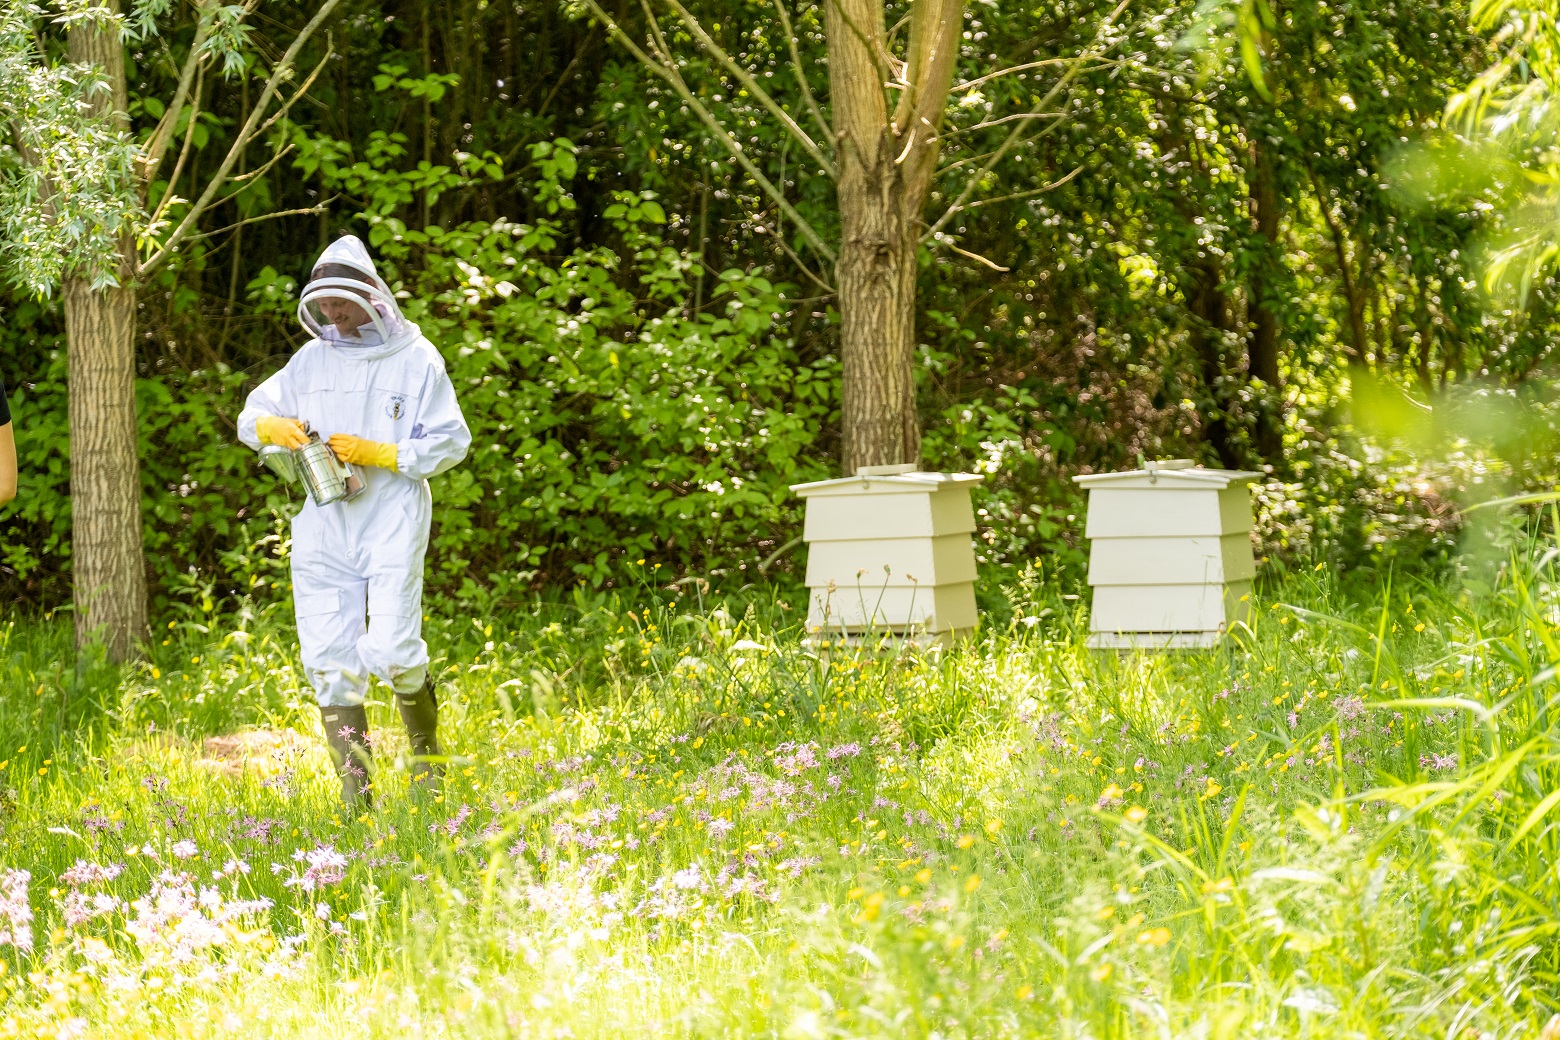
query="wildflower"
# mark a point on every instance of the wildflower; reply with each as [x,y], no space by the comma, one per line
[1438,763]
[843,751]
[1349,708]
[185,849]
[16,910]
[84,873]
[802,760]
[1136,814]
[1112,795]
[76,909]
[1155,937]
[688,878]
[326,867]
[797,865]
[1214,787]
[973,883]
[455,822]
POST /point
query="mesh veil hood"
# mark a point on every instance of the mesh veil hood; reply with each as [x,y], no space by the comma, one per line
[386,331]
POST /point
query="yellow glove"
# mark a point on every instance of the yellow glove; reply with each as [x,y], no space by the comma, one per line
[275,429]
[364,453]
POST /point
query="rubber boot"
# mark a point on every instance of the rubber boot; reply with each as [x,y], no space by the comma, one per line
[420,715]
[346,732]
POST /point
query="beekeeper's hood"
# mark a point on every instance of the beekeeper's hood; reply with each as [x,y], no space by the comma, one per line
[344,272]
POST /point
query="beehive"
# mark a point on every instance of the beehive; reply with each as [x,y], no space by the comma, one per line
[1170,560]
[889,552]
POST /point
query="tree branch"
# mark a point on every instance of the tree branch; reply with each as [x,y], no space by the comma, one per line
[260,171]
[884,61]
[280,72]
[184,152]
[303,88]
[781,242]
[318,207]
[162,135]
[1026,194]
[746,79]
[947,240]
[1078,64]
[936,31]
[959,88]
[671,76]
[801,74]
[1012,117]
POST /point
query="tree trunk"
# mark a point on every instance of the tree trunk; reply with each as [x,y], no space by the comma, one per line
[1209,322]
[1422,323]
[1262,350]
[885,165]
[105,487]
[875,277]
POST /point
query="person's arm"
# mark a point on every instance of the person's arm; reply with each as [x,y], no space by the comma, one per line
[7,451]
[7,463]
[275,396]
[440,438]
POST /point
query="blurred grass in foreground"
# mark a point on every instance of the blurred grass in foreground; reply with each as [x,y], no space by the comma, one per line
[668,819]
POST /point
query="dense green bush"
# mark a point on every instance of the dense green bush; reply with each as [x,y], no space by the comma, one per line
[639,417]
[613,425]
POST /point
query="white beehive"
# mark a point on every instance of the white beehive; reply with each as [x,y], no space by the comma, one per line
[889,552]
[1170,558]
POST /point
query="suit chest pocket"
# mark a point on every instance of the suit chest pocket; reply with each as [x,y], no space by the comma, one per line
[391,412]
[320,402]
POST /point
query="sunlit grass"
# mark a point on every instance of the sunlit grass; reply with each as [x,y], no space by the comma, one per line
[670,819]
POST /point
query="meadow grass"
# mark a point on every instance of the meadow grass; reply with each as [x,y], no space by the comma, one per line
[667,817]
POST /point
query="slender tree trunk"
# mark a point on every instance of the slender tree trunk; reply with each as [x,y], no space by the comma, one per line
[1262,349]
[1422,324]
[1354,291]
[1210,319]
[105,486]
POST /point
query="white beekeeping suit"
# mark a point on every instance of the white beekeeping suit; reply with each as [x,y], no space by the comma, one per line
[357,565]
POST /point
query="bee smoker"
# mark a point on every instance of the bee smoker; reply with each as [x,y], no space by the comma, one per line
[326,478]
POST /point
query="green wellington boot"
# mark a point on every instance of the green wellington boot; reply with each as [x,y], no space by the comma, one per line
[346,732]
[420,715]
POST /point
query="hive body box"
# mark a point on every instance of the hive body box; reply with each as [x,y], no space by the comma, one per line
[1170,556]
[889,552]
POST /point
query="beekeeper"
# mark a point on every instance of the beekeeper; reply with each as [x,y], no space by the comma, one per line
[375,389]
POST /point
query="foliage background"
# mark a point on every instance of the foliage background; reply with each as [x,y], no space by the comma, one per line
[648,363]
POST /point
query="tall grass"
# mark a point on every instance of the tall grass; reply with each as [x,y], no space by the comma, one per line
[668,818]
